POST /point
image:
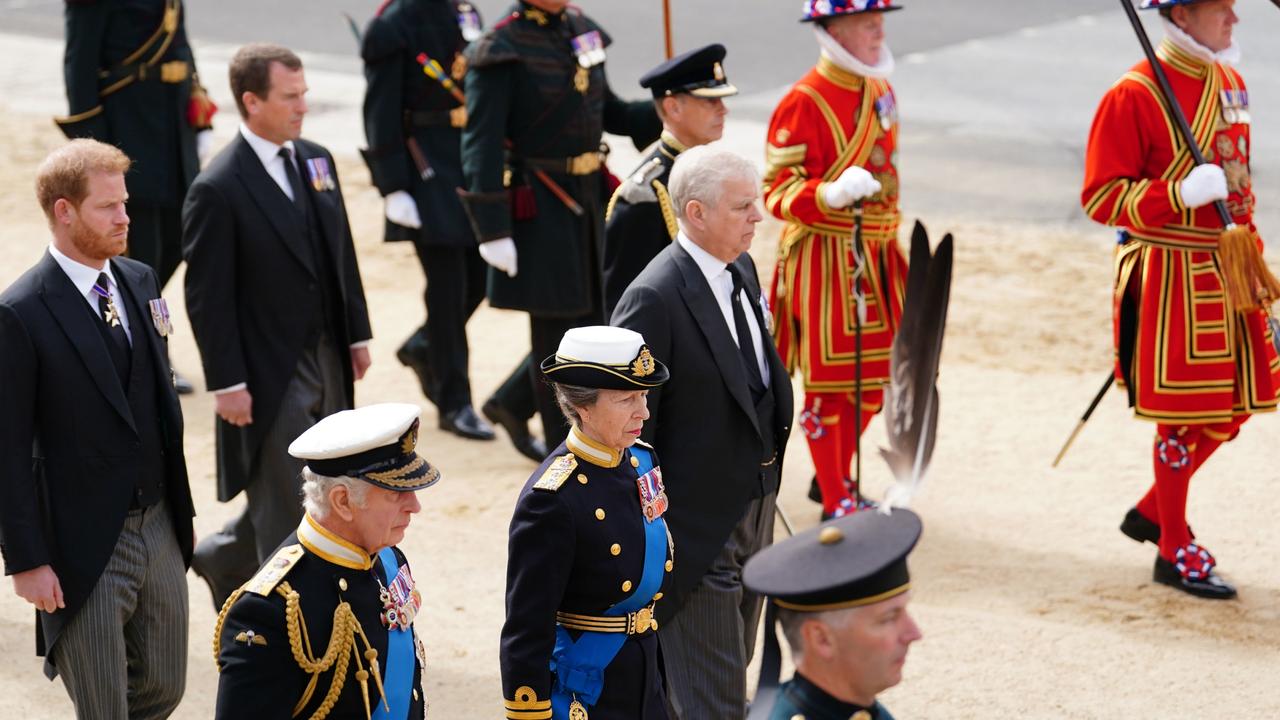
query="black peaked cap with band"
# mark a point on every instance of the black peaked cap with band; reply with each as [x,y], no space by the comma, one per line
[375,443]
[606,358]
[850,561]
[698,72]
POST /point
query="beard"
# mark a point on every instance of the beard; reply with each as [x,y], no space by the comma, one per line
[97,245]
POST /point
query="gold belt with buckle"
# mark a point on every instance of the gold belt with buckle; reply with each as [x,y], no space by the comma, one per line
[634,623]
[584,164]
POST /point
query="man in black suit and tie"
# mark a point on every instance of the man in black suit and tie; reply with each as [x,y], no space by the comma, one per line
[276,303]
[722,421]
[95,511]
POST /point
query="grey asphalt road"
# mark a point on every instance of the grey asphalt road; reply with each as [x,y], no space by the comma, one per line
[768,48]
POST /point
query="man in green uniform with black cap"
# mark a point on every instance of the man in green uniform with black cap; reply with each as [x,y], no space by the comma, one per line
[413,119]
[840,593]
[688,93]
[538,102]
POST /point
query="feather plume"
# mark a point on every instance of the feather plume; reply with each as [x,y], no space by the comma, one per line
[911,400]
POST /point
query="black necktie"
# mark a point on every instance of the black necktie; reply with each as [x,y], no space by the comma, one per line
[295,180]
[119,345]
[746,347]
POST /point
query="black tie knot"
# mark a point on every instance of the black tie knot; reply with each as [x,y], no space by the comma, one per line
[736,276]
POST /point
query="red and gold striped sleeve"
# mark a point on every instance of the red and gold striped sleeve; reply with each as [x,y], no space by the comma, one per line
[796,156]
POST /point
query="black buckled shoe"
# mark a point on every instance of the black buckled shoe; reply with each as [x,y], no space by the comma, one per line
[413,355]
[525,443]
[815,492]
[1139,528]
[464,422]
[1192,573]
[182,385]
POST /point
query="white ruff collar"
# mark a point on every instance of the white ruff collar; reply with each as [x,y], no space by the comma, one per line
[844,60]
[1230,56]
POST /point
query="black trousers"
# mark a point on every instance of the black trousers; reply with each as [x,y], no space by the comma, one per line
[155,237]
[455,288]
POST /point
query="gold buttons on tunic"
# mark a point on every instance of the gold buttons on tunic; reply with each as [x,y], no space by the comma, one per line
[626,586]
[342,584]
[670,565]
[657,597]
[582,478]
[635,462]
[615,549]
[861,715]
[599,513]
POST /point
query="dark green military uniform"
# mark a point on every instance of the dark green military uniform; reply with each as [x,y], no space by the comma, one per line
[413,124]
[800,699]
[129,78]
[640,220]
[534,106]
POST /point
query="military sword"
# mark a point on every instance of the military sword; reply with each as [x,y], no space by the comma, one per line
[1111,378]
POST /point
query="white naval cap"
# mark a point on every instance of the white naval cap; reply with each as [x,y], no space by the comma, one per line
[376,443]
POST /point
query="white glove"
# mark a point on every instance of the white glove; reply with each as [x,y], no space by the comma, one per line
[501,254]
[403,210]
[204,144]
[853,184]
[1203,185]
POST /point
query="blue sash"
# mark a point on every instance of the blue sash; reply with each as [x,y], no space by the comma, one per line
[579,666]
[398,679]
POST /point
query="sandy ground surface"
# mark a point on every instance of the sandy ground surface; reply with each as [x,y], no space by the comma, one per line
[1031,602]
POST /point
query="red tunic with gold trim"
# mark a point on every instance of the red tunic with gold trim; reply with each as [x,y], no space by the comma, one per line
[1185,353]
[830,120]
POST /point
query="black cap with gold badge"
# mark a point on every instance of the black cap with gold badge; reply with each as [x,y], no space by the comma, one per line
[603,357]
[850,561]
[375,443]
[698,72]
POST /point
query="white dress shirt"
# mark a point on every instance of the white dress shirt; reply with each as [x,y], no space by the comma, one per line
[269,153]
[85,277]
[717,274]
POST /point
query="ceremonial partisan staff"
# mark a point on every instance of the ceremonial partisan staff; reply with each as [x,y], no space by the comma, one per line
[1111,378]
[666,27]
[859,319]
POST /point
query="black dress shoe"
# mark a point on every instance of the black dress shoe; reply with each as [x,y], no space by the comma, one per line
[413,355]
[1211,587]
[518,429]
[182,385]
[1139,528]
[815,492]
[465,423]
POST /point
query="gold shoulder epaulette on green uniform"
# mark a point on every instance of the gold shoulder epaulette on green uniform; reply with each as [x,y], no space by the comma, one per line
[556,473]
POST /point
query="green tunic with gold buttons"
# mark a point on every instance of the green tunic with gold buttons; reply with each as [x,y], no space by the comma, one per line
[800,699]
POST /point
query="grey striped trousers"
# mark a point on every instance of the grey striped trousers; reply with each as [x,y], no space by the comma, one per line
[707,645]
[124,654]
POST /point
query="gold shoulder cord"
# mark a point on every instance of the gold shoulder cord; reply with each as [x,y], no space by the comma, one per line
[668,212]
[337,656]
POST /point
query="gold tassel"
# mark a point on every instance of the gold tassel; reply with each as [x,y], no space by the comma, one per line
[1246,275]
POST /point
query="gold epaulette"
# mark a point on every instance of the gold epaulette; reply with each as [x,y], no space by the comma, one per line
[275,569]
[556,473]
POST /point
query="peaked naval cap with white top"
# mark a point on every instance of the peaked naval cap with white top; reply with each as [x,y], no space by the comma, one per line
[375,443]
[607,358]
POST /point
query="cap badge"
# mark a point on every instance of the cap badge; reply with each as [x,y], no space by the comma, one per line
[410,440]
[718,71]
[644,364]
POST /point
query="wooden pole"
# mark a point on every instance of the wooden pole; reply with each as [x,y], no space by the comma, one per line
[666,27]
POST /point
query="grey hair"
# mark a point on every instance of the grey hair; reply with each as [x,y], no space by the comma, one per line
[572,397]
[793,620]
[316,487]
[701,172]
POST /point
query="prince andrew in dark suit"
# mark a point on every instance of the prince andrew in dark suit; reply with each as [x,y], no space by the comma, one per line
[722,420]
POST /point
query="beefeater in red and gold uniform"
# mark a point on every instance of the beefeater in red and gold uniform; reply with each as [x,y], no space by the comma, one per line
[832,143]
[1194,362]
